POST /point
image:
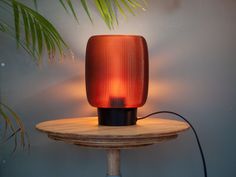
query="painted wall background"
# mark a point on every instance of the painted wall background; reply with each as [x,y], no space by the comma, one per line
[192,47]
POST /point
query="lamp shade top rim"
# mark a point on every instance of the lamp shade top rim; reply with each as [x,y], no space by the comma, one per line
[116,35]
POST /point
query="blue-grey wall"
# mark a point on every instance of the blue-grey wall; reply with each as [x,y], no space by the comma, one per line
[192,47]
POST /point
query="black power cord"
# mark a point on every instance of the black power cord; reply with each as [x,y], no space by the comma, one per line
[194,131]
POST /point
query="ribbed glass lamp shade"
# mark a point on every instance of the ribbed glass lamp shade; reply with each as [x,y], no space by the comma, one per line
[116,71]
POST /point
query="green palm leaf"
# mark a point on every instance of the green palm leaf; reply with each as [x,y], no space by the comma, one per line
[72,9]
[36,30]
[106,8]
[16,127]
[85,6]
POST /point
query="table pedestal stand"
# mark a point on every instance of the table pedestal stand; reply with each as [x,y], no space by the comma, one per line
[113,163]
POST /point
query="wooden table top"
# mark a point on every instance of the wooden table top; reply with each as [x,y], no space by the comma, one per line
[86,132]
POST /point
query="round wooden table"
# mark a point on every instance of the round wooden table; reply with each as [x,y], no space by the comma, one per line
[86,132]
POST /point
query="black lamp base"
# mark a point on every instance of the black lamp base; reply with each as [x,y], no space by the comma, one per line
[117,116]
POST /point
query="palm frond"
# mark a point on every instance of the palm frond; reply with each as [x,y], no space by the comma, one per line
[106,8]
[72,9]
[85,6]
[16,125]
[32,28]
[10,31]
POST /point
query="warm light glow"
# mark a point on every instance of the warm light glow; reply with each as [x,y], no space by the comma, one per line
[117,88]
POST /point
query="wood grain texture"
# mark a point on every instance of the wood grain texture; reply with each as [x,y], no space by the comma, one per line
[86,132]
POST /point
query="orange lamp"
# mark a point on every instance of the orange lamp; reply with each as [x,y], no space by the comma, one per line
[117,77]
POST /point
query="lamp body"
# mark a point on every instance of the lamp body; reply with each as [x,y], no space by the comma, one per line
[117,75]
